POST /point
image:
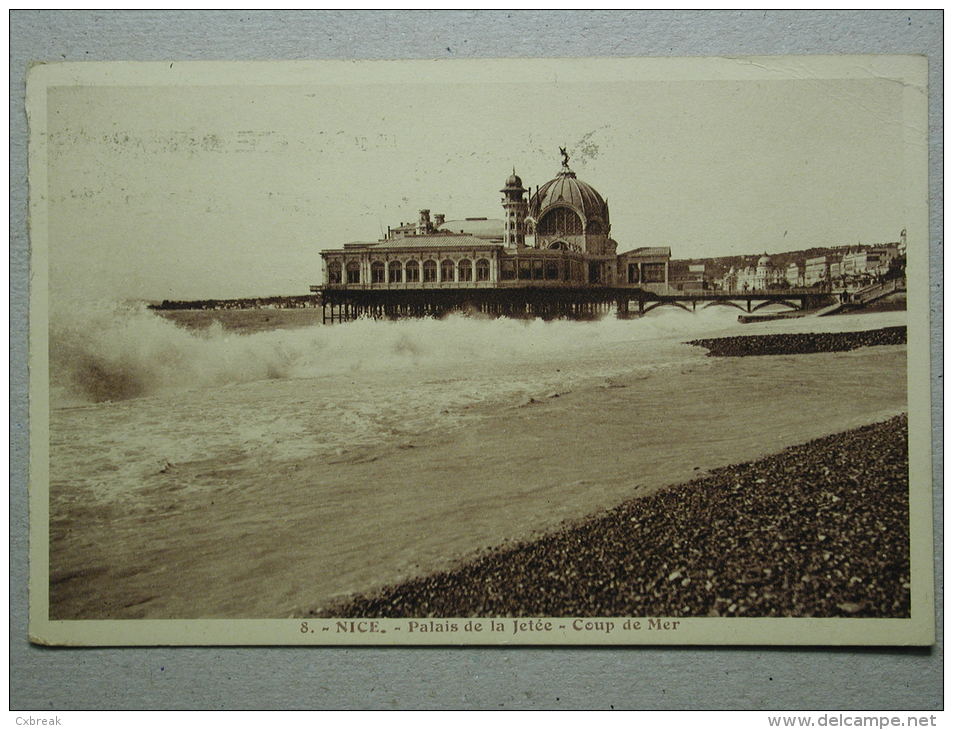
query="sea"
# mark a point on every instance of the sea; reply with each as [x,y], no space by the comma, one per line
[210,473]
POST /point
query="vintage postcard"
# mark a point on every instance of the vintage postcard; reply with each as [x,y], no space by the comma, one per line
[550,351]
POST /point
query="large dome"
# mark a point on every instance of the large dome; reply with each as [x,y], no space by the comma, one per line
[567,189]
[514,181]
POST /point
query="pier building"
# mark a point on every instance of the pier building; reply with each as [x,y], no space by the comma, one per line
[556,238]
[550,254]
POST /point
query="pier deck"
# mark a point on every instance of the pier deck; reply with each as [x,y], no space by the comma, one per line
[342,303]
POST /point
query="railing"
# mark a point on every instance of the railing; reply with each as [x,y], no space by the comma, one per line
[788,292]
[875,291]
[454,285]
[655,287]
[402,285]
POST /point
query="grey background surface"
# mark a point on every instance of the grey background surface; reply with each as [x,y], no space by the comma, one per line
[408,678]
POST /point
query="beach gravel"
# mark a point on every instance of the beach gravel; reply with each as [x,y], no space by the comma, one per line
[796,344]
[818,530]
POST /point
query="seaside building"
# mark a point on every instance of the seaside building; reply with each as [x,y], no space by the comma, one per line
[794,275]
[837,270]
[729,282]
[557,236]
[760,277]
[871,262]
[818,269]
[853,263]
[854,267]
[687,277]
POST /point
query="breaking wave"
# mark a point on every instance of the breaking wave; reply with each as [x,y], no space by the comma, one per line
[112,351]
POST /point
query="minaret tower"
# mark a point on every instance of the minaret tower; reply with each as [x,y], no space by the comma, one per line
[516,209]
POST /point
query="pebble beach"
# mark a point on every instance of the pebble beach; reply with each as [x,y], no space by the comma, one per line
[819,530]
[802,343]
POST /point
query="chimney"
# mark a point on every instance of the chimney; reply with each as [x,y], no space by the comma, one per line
[424,226]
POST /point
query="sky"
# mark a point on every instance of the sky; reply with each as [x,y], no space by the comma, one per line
[185,191]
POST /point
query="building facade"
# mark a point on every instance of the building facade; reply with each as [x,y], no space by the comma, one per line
[763,276]
[794,275]
[558,236]
[868,263]
[817,270]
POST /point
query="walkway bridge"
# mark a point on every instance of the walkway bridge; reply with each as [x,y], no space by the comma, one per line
[641,302]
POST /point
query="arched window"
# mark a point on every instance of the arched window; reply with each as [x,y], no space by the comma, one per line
[412,271]
[560,245]
[353,272]
[552,269]
[446,270]
[430,270]
[394,272]
[377,272]
[559,221]
[465,270]
[334,272]
[537,268]
[482,270]
[507,269]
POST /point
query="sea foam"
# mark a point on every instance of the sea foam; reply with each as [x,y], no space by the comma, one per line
[109,351]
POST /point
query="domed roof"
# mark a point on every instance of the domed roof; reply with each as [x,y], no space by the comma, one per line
[764,260]
[567,189]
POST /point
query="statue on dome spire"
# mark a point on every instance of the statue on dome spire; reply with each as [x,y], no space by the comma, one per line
[562,151]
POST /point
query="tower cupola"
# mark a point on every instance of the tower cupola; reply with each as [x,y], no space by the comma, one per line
[515,208]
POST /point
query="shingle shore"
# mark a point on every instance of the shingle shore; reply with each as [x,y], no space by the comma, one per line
[792,343]
[820,530]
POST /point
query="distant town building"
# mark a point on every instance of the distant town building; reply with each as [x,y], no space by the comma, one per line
[818,269]
[864,265]
[764,275]
[696,277]
[794,275]
[729,282]
[836,269]
[854,267]
[853,263]
[687,277]
[879,258]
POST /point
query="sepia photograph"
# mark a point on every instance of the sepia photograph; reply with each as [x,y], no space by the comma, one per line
[549,351]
